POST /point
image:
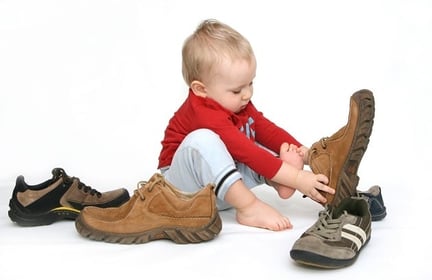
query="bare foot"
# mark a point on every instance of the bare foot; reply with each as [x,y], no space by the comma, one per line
[259,214]
[289,154]
[284,192]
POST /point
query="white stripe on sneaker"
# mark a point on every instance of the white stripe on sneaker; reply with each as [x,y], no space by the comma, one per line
[359,243]
[357,230]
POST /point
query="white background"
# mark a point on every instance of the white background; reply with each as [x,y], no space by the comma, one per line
[90,86]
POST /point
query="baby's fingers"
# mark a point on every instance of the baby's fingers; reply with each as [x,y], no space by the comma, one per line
[317,196]
[322,178]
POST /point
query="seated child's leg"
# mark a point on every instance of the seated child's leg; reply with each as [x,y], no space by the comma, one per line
[202,159]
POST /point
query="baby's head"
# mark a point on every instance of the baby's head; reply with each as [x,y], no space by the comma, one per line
[212,43]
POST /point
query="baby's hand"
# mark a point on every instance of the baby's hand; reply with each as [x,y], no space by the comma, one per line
[310,184]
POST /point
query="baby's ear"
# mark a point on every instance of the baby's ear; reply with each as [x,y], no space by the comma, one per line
[198,88]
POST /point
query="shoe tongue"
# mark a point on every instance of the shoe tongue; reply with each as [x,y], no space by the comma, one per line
[157,180]
[346,217]
[155,177]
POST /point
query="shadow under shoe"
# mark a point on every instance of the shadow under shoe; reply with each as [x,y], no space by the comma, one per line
[157,210]
[339,156]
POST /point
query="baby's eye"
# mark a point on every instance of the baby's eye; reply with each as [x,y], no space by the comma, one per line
[236,91]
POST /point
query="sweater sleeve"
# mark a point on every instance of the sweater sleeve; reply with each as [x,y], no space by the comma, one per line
[246,151]
[241,148]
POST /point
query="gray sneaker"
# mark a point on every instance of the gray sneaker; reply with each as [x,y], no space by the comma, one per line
[335,240]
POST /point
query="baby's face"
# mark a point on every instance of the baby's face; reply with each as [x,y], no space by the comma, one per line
[231,84]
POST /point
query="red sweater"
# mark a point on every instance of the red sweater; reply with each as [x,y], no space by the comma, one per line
[239,132]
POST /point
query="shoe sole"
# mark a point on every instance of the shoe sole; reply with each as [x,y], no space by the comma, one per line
[180,235]
[311,259]
[348,181]
[40,219]
[378,217]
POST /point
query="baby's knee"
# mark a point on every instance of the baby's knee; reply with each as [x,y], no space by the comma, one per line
[202,133]
[202,136]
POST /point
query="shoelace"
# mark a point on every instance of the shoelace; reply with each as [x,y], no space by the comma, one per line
[323,142]
[142,185]
[87,189]
[59,172]
[326,226]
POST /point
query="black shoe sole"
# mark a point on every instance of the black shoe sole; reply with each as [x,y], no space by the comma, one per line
[180,235]
[311,259]
[40,219]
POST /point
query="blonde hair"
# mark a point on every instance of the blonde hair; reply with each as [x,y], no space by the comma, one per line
[212,42]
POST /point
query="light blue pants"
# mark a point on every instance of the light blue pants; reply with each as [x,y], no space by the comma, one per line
[202,158]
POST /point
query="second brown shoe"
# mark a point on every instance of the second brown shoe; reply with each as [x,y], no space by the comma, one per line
[339,156]
[157,210]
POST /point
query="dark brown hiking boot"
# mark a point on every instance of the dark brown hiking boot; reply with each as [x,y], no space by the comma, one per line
[61,197]
[338,156]
[157,210]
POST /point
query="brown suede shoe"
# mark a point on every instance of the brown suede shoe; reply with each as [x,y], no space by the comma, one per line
[157,210]
[338,157]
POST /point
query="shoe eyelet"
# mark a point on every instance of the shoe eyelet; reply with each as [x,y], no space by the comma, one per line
[324,142]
